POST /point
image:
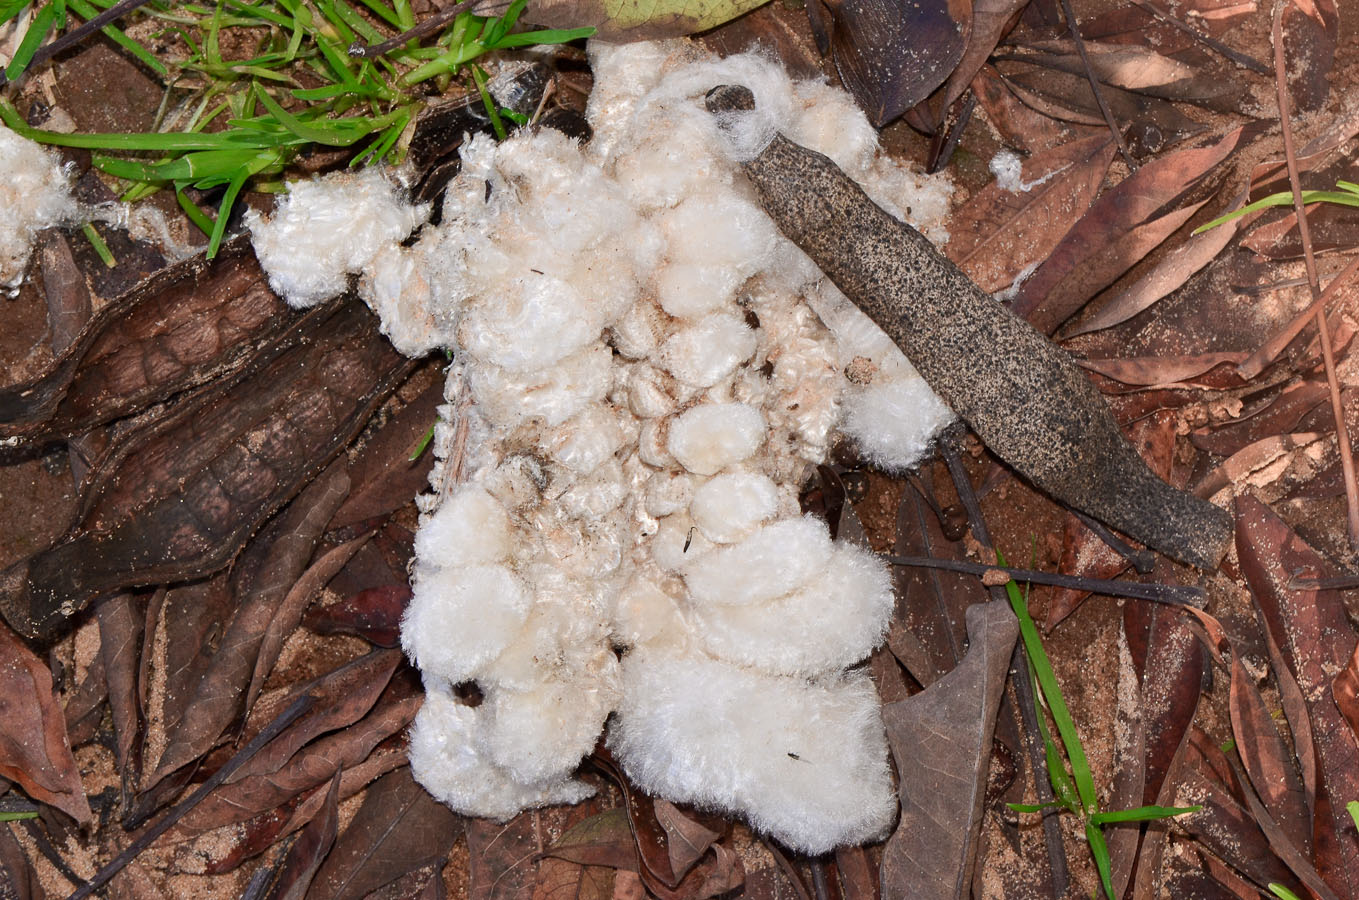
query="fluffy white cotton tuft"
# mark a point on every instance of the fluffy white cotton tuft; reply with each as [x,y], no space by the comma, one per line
[805,762]
[34,194]
[460,619]
[326,229]
[848,606]
[893,421]
[731,506]
[777,559]
[645,372]
[447,758]
[708,438]
[470,528]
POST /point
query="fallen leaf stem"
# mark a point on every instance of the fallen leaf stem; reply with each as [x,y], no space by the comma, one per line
[1313,281]
[1095,86]
[1178,595]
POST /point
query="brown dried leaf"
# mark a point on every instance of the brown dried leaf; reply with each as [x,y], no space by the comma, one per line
[178,499]
[991,20]
[64,288]
[999,233]
[928,630]
[1021,126]
[185,326]
[1067,96]
[1170,660]
[892,54]
[1346,690]
[374,615]
[18,879]
[121,620]
[1224,825]
[1310,30]
[289,612]
[1174,269]
[1265,759]
[34,751]
[603,839]
[309,850]
[336,734]
[1265,460]
[1278,415]
[558,879]
[383,475]
[1138,68]
[1164,371]
[1061,285]
[858,877]
[222,673]
[398,829]
[687,839]
[501,856]
[1316,640]
[941,741]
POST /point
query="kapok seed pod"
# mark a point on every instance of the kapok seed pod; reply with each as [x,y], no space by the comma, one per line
[1023,396]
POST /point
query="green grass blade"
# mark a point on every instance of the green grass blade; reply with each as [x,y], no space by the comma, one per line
[1282,892]
[1100,851]
[224,213]
[17,816]
[101,249]
[542,36]
[1142,814]
[1052,693]
[10,9]
[479,78]
[42,23]
[194,212]
[1017,807]
[1353,808]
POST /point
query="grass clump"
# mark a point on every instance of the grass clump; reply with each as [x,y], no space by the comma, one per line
[1073,784]
[242,121]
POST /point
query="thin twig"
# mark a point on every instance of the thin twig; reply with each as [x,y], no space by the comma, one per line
[1327,352]
[1095,86]
[1270,349]
[1334,583]
[1023,685]
[1178,595]
[79,33]
[1235,56]
[294,711]
[1141,560]
[428,26]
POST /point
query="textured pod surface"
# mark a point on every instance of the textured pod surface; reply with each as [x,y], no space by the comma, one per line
[1022,395]
[178,498]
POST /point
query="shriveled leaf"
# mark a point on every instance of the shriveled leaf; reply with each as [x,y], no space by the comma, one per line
[1316,641]
[289,612]
[892,54]
[998,233]
[1020,125]
[121,619]
[604,839]
[1062,284]
[1346,689]
[398,829]
[1137,68]
[309,850]
[1224,825]
[928,630]
[501,856]
[1266,760]
[1174,269]
[558,879]
[312,749]
[1310,33]
[34,750]
[947,727]
[1131,24]
[383,474]
[686,838]
[1269,460]
[18,879]
[991,19]
[64,288]
[1149,371]
[631,20]
[1278,415]
[268,569]
[374,615]
[858,877]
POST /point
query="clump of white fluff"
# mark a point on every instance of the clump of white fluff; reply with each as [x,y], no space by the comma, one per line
[34,194]
[645,371]
[326,229]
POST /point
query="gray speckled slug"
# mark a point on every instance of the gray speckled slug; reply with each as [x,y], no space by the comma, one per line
[1022,395]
